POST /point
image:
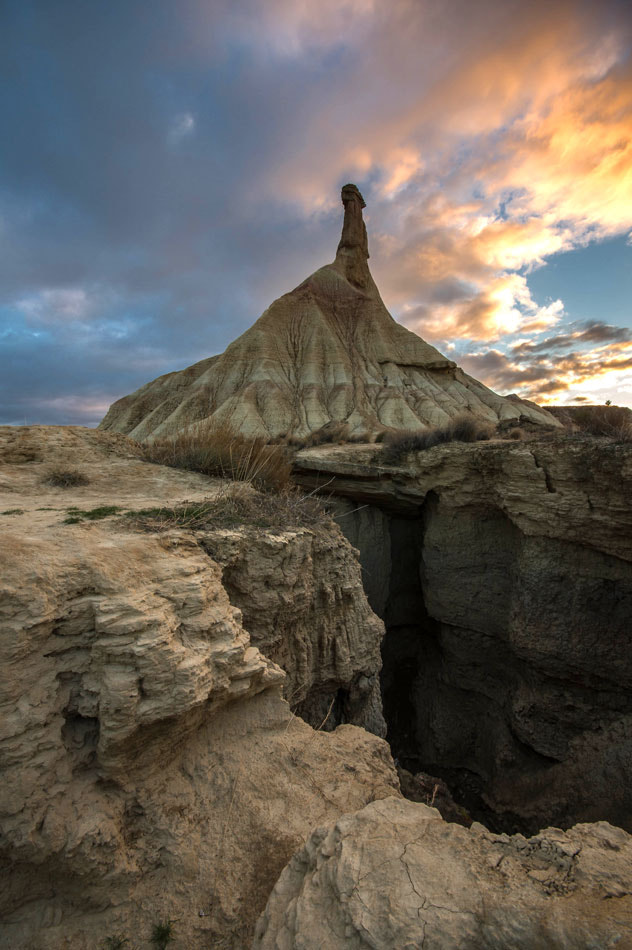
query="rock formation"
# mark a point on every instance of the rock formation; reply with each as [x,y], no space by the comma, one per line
[150,768]
[396,875]
[503,572]
[329,351]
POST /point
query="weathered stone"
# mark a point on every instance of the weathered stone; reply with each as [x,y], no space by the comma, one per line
[396,875]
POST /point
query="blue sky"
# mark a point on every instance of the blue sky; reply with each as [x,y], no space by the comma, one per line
[167,170]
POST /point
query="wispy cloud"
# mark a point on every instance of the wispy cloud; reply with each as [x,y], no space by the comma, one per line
[182,126]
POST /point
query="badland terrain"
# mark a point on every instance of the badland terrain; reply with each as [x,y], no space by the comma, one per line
[317,643]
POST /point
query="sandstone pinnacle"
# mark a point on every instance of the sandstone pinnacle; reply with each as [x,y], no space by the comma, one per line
[353,249]
[327,352]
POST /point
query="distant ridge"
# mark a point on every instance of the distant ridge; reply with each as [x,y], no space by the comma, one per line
[328,351]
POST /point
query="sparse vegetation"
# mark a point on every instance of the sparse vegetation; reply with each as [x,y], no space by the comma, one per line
[463,428]
[162,934]
[117,942]
[231,508]
[218,450]
[66,478]
[76,515]
[327,434]
[13,511]
[614,422]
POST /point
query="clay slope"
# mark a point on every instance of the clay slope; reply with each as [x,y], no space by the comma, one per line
[327,351]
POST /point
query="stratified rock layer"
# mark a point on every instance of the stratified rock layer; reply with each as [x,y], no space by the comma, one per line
[396,875]
[329,351]
[503,572]
[150,768]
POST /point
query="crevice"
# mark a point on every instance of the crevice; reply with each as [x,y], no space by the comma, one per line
[503,663]
[547,478]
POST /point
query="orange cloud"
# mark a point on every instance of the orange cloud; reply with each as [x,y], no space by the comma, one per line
[507,141]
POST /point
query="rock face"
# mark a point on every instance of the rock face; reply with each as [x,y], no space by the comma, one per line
[303,604]
[503,573]
[150,767]
[396,875]
[329,351]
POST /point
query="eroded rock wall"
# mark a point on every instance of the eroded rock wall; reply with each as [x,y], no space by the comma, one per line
[507,660]
[303,604]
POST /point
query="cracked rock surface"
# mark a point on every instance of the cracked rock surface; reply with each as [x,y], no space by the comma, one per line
[396,875]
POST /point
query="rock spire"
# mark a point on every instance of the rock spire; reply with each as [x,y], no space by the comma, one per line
[353,249]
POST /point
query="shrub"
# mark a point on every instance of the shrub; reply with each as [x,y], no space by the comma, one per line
[330,432]
[218,450]
[614,422]
[66,478]
[463,428]
[118,942]
[162,934]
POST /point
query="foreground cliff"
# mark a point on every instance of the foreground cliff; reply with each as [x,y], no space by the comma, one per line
[150,767]
[328,351]
[503,573]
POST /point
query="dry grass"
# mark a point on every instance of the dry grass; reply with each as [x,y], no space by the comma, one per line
[327,434]
[65,478]
[234,506]
[463,428]
[218,450]
[614,422]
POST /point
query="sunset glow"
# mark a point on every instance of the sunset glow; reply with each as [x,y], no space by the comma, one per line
[157,192]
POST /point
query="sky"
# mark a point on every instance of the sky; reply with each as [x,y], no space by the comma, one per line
[168,169]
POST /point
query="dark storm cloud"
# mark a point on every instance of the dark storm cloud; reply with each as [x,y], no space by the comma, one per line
[132,147]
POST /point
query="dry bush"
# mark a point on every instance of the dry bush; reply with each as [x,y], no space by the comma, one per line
[233,507]
[463,428]
[218,450]
[612,422]
[65,478]
[327,434]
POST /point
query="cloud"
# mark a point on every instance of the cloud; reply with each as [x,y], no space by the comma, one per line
[53,304]
[542,373]
[166,178]
[182,126]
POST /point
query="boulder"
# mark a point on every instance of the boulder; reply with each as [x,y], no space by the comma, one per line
[396,875]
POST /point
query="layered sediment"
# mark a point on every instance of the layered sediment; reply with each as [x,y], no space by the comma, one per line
[503,573]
